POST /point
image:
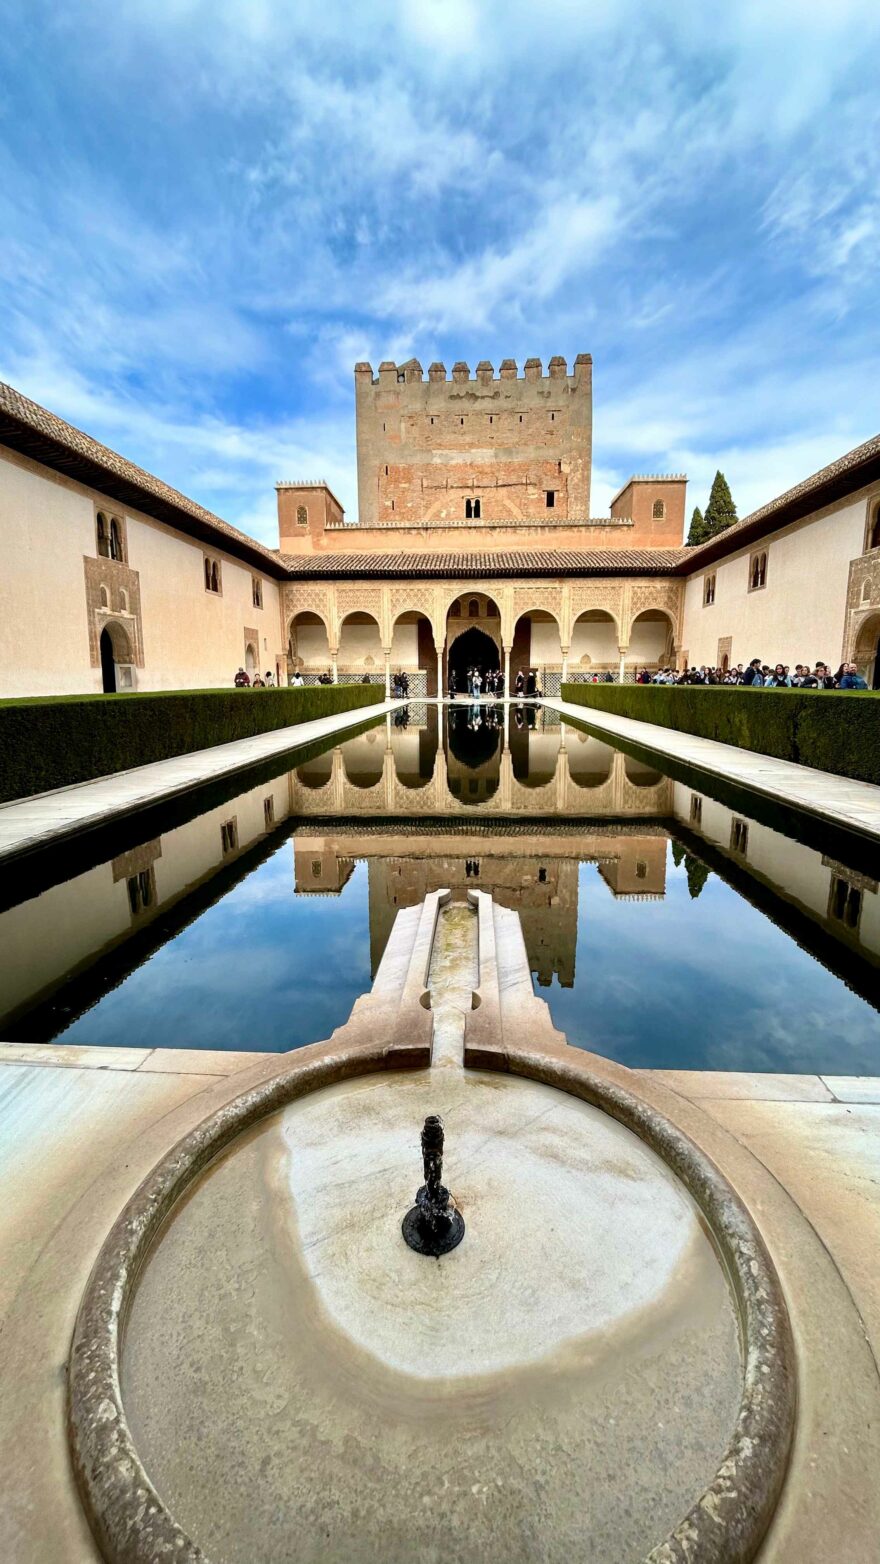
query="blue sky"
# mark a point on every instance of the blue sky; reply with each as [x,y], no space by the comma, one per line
[211,208]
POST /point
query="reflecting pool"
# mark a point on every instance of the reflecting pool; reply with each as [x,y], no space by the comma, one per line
[668,921]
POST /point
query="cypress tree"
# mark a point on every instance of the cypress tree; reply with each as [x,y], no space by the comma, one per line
[677,853]
[697,533]
[720,511]
[697,874]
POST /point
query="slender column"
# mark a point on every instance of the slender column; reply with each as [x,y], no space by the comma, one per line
[507,689]
[439,650]
[622,672]
[388,675]
[564,664]
[334,664]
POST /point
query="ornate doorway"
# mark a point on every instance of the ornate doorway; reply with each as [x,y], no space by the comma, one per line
[472,649]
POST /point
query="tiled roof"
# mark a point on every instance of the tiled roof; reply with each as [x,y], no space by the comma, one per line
[539,562]
[32,430]
[850,472]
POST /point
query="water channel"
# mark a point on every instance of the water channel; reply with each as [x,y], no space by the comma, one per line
[668,921]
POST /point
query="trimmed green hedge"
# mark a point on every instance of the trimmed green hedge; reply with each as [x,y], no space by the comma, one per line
[53,741]
[833,730]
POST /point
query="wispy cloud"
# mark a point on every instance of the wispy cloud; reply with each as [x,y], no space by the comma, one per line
[211,208]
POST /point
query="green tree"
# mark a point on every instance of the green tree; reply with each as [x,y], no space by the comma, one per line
[720,511]
[697,874]
[697,533]
[677,853]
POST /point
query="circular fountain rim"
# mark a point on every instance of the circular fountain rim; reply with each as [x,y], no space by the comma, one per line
[727,1522]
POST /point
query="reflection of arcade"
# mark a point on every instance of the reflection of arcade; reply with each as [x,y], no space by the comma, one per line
[535,875]
[538,769]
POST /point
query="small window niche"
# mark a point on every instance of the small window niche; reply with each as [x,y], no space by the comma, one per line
[550,499]
[708,591]
[739,837]
[658,510]
[758,571]
[213,579]
[257,591]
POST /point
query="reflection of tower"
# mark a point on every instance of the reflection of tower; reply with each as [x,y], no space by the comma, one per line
[639,869]
[317,869]
[543,891]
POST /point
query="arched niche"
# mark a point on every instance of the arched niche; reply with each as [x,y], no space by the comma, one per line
[595,641]
[651,638]
[308,642]
[360,644]
[589,760]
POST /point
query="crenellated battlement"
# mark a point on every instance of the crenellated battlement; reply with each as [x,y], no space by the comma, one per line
[412,373]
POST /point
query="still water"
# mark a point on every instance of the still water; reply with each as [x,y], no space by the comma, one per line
[666,925]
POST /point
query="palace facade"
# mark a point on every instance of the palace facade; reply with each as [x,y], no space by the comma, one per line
[474,544]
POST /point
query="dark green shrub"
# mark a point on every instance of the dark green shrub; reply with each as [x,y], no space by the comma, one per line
[54,741]
[833,730]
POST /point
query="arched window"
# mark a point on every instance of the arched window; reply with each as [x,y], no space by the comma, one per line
[302,516]
[708,591]
[103,535]
[123,601]
[105,597]
[658,510]
[866,592]
[207,575]
[468,509]
[116,549]
[874,529]
[477,510]
[215,577]
[758,572]
[455,611]
[473,609]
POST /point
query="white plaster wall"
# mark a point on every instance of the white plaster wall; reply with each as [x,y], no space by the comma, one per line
[194,639]
[649,640]
[596,639]
[405,646]
[46,526]
[546,646]
[357,643]
[313,646]
[799,615]
[191,638]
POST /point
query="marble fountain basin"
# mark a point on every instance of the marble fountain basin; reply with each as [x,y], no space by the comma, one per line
[264,1371]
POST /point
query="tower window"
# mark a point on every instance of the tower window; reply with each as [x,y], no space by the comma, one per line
[302,516]
[658,510]
[117,549]
[874,529]
[550,497]
[257,591]
[708,591]
[477,509]
[103,535]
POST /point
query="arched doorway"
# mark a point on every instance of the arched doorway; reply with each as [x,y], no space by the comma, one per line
[115,648]
[108,663]
[472,649]
[250,658]
[651,639]
[867,651]
[308,645]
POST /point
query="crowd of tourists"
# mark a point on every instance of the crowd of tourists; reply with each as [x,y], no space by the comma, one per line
[758,676]
[476,683]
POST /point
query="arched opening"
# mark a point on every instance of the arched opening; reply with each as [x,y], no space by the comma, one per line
[651,639]
[475,648]
[308,645]
[639,774]
[103,529]
[594,646]
[533,754]
[867,652]
[363,758]
[537,646]
[473,760]
[415,750]
[115,648]
[250,658]
[360,646]
[116,549]
[316,772]
[874,527]
[589,760]
[412,653]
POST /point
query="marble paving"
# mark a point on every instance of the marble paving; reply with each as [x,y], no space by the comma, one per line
[841,800]
[26,823]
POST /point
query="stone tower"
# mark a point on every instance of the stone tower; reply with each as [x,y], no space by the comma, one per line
[486,447]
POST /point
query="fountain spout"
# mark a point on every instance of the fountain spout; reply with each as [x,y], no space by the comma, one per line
[433,1225]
